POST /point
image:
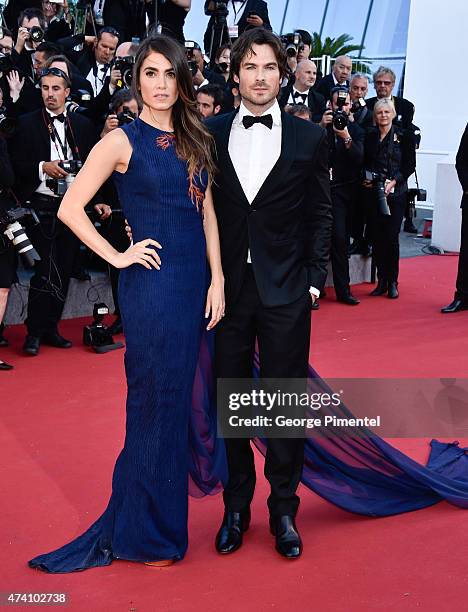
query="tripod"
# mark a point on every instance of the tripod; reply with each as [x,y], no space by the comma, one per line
[83,13]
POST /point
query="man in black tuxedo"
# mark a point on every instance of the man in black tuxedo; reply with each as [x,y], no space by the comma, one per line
[272,200]
[460,301]
[243,14]
[44,138]
[299,90]
[341,71]
[346,154]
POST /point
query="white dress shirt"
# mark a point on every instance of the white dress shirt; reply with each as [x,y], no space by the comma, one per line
[55,153]
[294,92]
[97,80]
[254,151]
[234,15]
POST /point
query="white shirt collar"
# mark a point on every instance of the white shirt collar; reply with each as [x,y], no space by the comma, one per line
[274,111]
[55,114]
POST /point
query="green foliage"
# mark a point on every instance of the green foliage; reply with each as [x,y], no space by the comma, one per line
[334,47]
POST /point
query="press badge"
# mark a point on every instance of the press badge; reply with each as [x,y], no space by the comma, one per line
[234,31]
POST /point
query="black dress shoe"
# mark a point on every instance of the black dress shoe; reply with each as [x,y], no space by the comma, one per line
[409,227]
[116,327]
[381,289]
[393,291]
[31,345]
[348,299]
[288,540]
[5,366]
[360,248]
[315,305]
[455,306]
[229,536]
[56,340]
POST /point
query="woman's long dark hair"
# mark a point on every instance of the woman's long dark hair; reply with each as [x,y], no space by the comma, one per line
[192,140]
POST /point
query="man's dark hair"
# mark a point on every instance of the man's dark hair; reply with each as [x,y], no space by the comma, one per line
[121,96]
[257,36]
[7,32]
[57,57]
[298,109]
[108,30]
[48,49]
[30,13]
[306,37]
[214,91]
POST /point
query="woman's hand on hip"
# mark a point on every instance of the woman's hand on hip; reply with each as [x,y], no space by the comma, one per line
[141,253]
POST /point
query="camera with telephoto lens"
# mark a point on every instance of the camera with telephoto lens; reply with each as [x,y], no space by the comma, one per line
[79,101]
[97,335]
[340,118]
[125,65]
[126,116]
[292,43]
[10,226]
[378,184]
[189,47]
[60,186]
[357,105]
[36,34]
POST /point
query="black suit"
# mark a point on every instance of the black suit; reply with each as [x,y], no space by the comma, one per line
[404,110]
[314,100]
[287,229]
[462,171]
[325,85]
[55,243]
[346,167]
[259,7]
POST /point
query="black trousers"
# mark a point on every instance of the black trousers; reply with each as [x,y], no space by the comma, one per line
[341,202]
[462,276]
[283,336]
[58,247]
[384,232]
[359,229]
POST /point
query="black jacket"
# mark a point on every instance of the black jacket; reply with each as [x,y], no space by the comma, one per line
[346,163]
[315,101]
[31,145]
[462,166]
[325,86]
[259,7]
[288,225]
[395,157]
[404,110]
[7,177]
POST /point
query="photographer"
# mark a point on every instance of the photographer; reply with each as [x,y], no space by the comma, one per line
[299,90]
[171,17]
[7,252]
[346,153]
[203,75]
[223,61]
[341,71]
[390,159]
[241,14]
[47,142]
[209,100]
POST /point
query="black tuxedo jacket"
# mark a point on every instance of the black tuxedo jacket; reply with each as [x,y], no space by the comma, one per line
[288,225]
[462,167]
[404,110]
[31,145]
[325,85]
[315,101]
[346,163]
[259,7]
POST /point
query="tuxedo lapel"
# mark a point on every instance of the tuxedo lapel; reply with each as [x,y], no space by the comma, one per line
[225,163]
[281,168]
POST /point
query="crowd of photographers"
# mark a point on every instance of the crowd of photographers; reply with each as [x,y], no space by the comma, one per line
[65,80]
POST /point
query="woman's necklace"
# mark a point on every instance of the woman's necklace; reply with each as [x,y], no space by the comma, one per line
[158,123]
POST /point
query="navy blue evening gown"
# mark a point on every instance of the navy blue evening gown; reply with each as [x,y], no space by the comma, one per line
[163,319]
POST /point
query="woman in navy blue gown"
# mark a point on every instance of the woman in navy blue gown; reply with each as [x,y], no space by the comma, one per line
[162,166]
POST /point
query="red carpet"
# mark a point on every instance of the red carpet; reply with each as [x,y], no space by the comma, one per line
[62,425]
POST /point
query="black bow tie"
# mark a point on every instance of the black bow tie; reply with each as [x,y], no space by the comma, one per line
[249,120]
[60,118]
[300,95]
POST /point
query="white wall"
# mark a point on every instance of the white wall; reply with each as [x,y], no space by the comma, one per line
[436,80]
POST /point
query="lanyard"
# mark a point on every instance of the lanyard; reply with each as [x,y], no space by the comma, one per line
[237,11]
[98,78]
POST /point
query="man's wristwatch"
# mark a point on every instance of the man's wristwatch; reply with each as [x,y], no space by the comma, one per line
[348,140]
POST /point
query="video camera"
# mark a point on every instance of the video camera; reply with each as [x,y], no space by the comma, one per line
[60,186]
[97,334]
[14,231]
[292,43]
[216,9]
[125,65]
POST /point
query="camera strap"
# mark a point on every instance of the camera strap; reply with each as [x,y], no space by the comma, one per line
[69,137]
